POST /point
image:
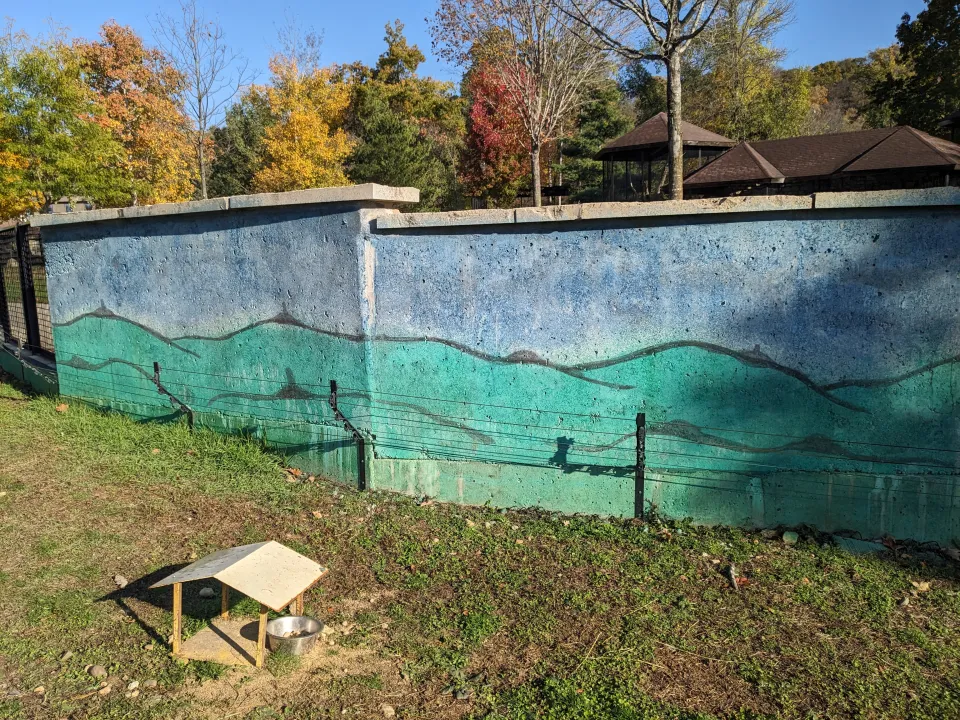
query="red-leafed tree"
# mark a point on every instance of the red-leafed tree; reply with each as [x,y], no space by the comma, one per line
[494,163]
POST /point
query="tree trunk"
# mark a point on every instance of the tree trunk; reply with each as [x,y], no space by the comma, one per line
[202,162]
[674,125]
[535,172]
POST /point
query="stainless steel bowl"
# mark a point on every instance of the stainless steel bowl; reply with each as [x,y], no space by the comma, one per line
[293,634]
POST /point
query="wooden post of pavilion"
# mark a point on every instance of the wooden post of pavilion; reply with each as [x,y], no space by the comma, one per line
[262,635]
[177,616]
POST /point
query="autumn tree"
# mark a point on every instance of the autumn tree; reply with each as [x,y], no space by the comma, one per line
[54,133]
[213,73]
[305,145]
[137,87]
[649,30]
[544,66]
[493,160]
[408,128]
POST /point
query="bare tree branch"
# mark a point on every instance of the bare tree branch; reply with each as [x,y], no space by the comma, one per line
[214,73]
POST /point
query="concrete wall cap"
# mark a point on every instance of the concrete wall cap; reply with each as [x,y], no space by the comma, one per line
[368,194]
[671,208]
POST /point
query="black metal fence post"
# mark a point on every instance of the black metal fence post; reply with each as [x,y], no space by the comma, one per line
[28,294]
[639,471]
[357,435]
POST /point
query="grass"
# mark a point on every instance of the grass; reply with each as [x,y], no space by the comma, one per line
[441,611]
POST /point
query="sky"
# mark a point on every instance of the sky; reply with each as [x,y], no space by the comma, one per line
[353,29]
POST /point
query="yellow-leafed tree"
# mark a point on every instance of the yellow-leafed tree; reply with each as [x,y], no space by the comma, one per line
[306,144]
[16,197]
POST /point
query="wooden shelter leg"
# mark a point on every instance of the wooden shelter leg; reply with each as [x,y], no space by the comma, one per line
[262,635]
[300,604]
[177,616]
[224,601]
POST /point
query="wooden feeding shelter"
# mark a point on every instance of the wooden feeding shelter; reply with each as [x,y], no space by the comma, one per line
[633,164]
[270,573]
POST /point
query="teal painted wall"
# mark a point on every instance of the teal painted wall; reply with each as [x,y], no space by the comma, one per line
[792,367]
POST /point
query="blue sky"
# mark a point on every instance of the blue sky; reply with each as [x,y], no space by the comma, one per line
[824,29]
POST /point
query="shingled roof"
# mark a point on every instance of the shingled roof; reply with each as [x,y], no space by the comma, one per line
[821,156]
[654,133]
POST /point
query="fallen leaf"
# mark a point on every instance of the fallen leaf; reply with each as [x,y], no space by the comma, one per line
[62,408]
[156,451]
[191,452]
[743,582]
[317,514]
[296,472]
[805,581]
[921,586]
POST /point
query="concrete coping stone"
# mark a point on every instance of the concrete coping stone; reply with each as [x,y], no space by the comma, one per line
[369,194]
[673,208]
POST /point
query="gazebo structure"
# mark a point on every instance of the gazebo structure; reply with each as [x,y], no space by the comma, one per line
[633,164]
[270,573]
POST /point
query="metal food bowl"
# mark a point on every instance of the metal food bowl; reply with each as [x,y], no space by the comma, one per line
[293,634]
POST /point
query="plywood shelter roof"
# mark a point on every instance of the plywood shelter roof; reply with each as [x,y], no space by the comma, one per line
[268,572]
[820,156]
[654,134]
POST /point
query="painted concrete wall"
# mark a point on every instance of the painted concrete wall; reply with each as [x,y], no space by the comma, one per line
[795,365]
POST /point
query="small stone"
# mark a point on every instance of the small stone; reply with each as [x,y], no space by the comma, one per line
[97,671]
[149,684]
[463,694]
[207,593]
[120,581]
[790,538]
[133,685]
[388,710]
[905,602]
[66,656]
[105,690]
[132,694]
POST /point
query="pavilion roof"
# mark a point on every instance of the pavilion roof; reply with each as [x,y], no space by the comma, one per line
[653,134]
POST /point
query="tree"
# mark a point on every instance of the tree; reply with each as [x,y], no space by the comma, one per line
[138,88]
[492,162]
[213,73]
[305,145]
[238,146]
[646,91]
[666,30]
[54,136]
[409,128]
[930,44]
[601,118]
[739,64]
[544,66]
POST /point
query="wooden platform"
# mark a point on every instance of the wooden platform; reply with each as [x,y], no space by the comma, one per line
[227,642]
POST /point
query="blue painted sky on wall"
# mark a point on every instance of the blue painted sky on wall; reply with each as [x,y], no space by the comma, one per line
[824,29]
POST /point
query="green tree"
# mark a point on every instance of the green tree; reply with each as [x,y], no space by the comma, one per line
[646,92]
[930,44]
[602,118]
[53,124]
[409,128]
[238,146]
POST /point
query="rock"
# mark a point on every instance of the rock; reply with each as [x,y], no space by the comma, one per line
[120,581]
[790,538]
[66,656]
[858,547]
[132,694]
[388,710]
[105,690]
[905,602]
[463,694]
[207,593]
[149,684]
[97,671]
[133,685]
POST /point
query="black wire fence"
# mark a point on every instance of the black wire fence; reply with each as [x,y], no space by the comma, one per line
[386,424]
